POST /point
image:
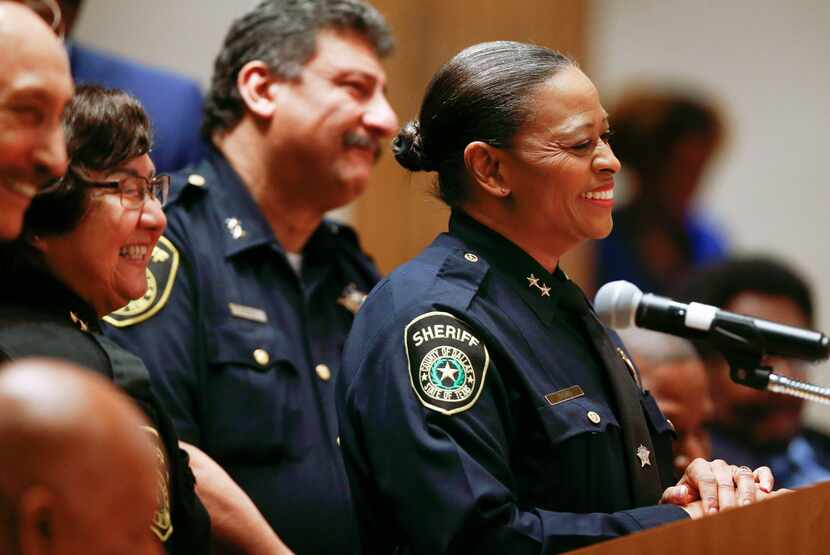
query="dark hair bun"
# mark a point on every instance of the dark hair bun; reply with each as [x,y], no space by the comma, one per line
[409,150]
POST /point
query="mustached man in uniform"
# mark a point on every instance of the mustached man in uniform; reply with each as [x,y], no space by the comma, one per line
[253,290]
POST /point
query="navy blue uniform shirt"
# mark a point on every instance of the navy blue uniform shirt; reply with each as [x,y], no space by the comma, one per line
[476,414]
[243,351]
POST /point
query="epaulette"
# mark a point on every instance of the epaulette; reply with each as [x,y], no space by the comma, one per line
[463,272]
[181,187]
[464,266]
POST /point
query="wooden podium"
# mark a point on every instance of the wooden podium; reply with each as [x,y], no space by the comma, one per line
[796,523]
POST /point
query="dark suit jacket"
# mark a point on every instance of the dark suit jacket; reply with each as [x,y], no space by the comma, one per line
[173,102]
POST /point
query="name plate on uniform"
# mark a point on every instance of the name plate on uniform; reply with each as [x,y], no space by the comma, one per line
[248,313]
[564,395]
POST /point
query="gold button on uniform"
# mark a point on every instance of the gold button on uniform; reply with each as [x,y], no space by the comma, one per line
[471,257]
[323,372]
[671,425]
[196,179]
[594,417]
[338,441]
[261,357]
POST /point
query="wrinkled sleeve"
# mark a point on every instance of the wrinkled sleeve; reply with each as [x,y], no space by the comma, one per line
[446,480]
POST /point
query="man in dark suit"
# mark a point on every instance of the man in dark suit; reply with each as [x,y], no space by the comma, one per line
[173,102]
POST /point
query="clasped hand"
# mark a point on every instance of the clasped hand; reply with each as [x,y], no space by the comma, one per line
[710,486]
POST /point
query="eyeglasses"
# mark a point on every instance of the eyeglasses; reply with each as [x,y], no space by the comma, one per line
[134,189]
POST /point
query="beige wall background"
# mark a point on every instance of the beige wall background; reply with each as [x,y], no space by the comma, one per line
[399,216]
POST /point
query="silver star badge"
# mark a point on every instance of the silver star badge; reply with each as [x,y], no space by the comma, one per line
[352,298]
[643,454]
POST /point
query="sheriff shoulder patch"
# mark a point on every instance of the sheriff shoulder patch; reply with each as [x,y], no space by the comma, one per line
[161,273]
[447,362]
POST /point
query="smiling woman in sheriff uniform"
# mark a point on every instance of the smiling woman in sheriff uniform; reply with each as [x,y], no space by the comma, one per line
[483,407]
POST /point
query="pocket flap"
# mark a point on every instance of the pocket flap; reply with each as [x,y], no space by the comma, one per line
[258,346]
[576,416]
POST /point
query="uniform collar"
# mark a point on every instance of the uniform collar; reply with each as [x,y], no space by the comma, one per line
[37,289]
[244,225]
[543,291]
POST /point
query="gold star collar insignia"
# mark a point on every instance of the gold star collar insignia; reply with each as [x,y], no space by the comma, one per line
[533,281]
[78,322]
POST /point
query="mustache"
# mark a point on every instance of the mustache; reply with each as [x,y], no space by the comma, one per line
[363,140]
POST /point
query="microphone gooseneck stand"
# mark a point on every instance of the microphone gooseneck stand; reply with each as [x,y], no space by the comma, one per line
[741,345]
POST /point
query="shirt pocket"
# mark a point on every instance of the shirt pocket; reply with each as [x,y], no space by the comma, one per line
[582,464]
[253,394]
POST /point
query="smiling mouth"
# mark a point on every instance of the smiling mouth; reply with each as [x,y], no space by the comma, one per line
[134,253]
[599,195]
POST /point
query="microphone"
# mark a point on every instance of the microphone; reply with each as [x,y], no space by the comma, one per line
[620,304]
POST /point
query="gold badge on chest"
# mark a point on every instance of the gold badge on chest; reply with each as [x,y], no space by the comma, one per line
[162,525]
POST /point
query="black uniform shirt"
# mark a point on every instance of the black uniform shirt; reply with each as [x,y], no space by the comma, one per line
[40,317]
[477,415]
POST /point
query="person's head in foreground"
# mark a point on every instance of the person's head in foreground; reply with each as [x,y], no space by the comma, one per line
[95,228]
[77,473]
[35,85]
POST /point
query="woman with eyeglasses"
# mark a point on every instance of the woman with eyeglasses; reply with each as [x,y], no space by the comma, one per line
[86,242]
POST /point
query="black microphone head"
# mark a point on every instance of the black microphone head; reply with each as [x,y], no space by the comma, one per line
[616,303]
